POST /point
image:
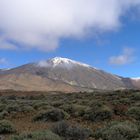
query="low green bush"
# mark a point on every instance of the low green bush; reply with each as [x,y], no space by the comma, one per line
[57,103]
[26,108]
[96,103]
[60,128]
[118,131]
[40,135]
[134,112]
[75,109]
[12,108]
[136,96]
[125,101]
[15,108]
[3,114]
[6,127]
[69,132]
[98,113]
[51,115]
[2,107]
[40,105]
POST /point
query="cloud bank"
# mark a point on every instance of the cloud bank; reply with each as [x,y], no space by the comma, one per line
[126,57]
[41,24]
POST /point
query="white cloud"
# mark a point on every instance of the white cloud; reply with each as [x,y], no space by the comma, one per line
[43,63]
[3,61]
[41,24]
[126,57]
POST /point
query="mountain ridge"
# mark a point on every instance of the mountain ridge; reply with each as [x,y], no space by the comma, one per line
[62,74]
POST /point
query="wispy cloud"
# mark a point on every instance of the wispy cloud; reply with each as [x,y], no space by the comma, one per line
[41,24]
[3,61]
[126,57]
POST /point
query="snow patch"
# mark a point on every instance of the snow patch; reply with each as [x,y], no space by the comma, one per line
[63,62]
[59,60]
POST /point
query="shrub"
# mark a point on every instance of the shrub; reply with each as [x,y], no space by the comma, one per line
[98,113]
[57,103]
[63,129]
[12,108]
[75,109]
[41,135]
[2,107]
[136,138]
[79,110]
[26,108]
[125,101]
[96,103]
[3,114]
[51,115]
[15,108]
[136,96]
[40,105]
[68,108]
[118,131]
[134,112]
[60,128]
[6,127]
[78,133]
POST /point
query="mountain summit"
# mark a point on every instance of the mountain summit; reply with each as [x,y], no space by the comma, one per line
[61,74]
[61,62]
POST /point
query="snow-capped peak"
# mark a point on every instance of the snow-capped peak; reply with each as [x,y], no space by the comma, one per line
[59,61]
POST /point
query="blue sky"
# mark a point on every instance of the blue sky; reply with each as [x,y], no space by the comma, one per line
[113,47]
